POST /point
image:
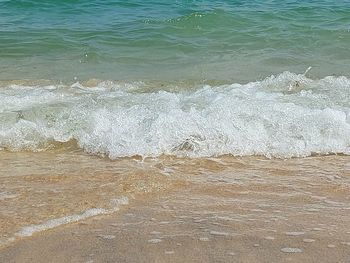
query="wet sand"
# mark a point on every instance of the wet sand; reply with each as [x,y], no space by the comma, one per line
[180,210]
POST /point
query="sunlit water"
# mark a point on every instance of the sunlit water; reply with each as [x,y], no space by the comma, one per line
[205,199]
[103,101]
[118,39]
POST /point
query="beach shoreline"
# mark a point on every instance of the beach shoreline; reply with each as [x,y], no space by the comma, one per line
[215,210]
[174,131]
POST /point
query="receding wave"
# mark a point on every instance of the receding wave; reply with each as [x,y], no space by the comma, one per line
[287,115]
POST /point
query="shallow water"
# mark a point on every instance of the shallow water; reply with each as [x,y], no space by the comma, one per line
[107,101]
[227,195]
[183,78]
[289,115]
[132,40]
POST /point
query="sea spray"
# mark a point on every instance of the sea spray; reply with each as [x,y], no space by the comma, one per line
[287,115]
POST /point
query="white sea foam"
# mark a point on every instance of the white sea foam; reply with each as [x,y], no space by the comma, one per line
[154,241]
[291,250]
[30,230]
[282,116]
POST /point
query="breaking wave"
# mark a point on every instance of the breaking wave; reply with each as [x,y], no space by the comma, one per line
[288,115]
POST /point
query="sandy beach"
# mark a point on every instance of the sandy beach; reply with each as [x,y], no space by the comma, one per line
[214,210]
[174,131]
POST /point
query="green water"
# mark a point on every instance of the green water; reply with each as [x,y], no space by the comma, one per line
[174,68]
[192,40]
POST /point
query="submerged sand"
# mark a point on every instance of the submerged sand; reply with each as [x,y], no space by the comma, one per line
[179,210]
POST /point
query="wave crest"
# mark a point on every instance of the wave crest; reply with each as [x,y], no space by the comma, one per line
[288,115]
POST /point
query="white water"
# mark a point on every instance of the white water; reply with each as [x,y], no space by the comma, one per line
[283,116]
[30,230]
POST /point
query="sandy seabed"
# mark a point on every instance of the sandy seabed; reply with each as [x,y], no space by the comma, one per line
[169,209]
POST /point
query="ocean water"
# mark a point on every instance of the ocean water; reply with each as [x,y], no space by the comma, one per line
[284,116]
[242,107]
[227,40]
[186,78]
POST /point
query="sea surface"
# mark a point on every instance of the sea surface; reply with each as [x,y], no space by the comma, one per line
[233,41]
[105,100]
[189,78]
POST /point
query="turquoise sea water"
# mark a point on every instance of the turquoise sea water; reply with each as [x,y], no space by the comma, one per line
[134,39]
[190,78]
